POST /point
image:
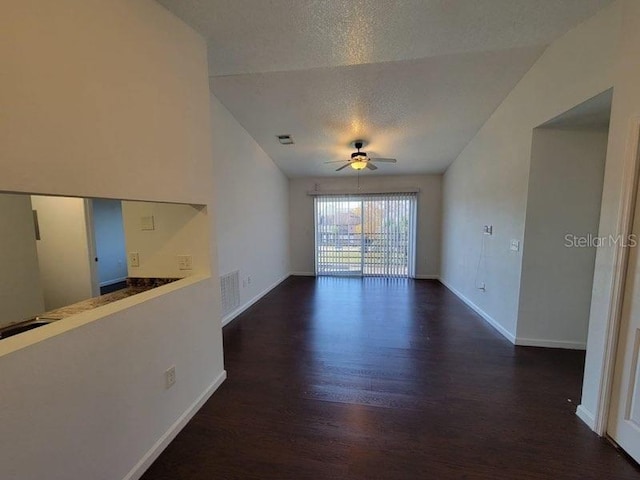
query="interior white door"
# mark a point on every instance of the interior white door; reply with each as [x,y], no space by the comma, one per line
[624,418]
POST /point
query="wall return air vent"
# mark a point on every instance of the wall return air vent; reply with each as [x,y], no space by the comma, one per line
[230,292]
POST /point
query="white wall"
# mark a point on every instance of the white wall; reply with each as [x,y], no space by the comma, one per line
[252,200]
[120,114]
[20,289]
[302,238]
[487,183]
[108,229]
[63,250]
[177,230]
[565,191]
[107,98]
[68,398]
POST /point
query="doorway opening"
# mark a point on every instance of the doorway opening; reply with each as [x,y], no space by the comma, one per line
[558,265]
[564,198]
[109,244]
[366,235]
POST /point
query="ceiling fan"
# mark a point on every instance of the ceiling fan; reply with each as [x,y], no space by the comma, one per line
[359,160]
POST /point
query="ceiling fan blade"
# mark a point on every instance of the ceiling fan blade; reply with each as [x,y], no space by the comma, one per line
[336,161]
[371,166]
[383,160]
[344,166]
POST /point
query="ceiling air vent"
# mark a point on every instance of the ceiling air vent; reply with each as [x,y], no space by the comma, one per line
[285,139]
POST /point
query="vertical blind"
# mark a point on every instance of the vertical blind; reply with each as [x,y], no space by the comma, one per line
[372,235]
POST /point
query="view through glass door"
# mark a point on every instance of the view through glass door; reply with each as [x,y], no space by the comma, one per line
[371,235]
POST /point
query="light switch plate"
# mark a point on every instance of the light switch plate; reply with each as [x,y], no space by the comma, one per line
[147,223]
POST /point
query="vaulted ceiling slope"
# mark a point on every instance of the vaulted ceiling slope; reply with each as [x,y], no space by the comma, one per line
[417,78]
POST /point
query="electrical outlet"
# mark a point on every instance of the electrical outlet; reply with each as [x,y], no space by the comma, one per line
[515,245]
[134,259]
[185,262]
[170,377]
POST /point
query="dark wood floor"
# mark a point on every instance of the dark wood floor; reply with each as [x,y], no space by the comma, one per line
[386,379]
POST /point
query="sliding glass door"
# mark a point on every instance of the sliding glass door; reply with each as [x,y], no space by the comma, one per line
[370,235]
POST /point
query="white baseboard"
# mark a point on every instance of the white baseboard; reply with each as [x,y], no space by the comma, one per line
[490,320]
[112,281]
[536,342]
[586,416]
[231,316]
[417,277]
[145,462]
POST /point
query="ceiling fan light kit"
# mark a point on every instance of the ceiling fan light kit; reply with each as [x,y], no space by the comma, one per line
[359,164]
[359,160]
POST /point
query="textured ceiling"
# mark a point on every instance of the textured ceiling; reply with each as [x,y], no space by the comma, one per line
[422,112]
[416,78]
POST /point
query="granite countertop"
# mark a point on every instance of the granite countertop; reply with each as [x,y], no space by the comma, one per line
[91,303]
[134,286]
